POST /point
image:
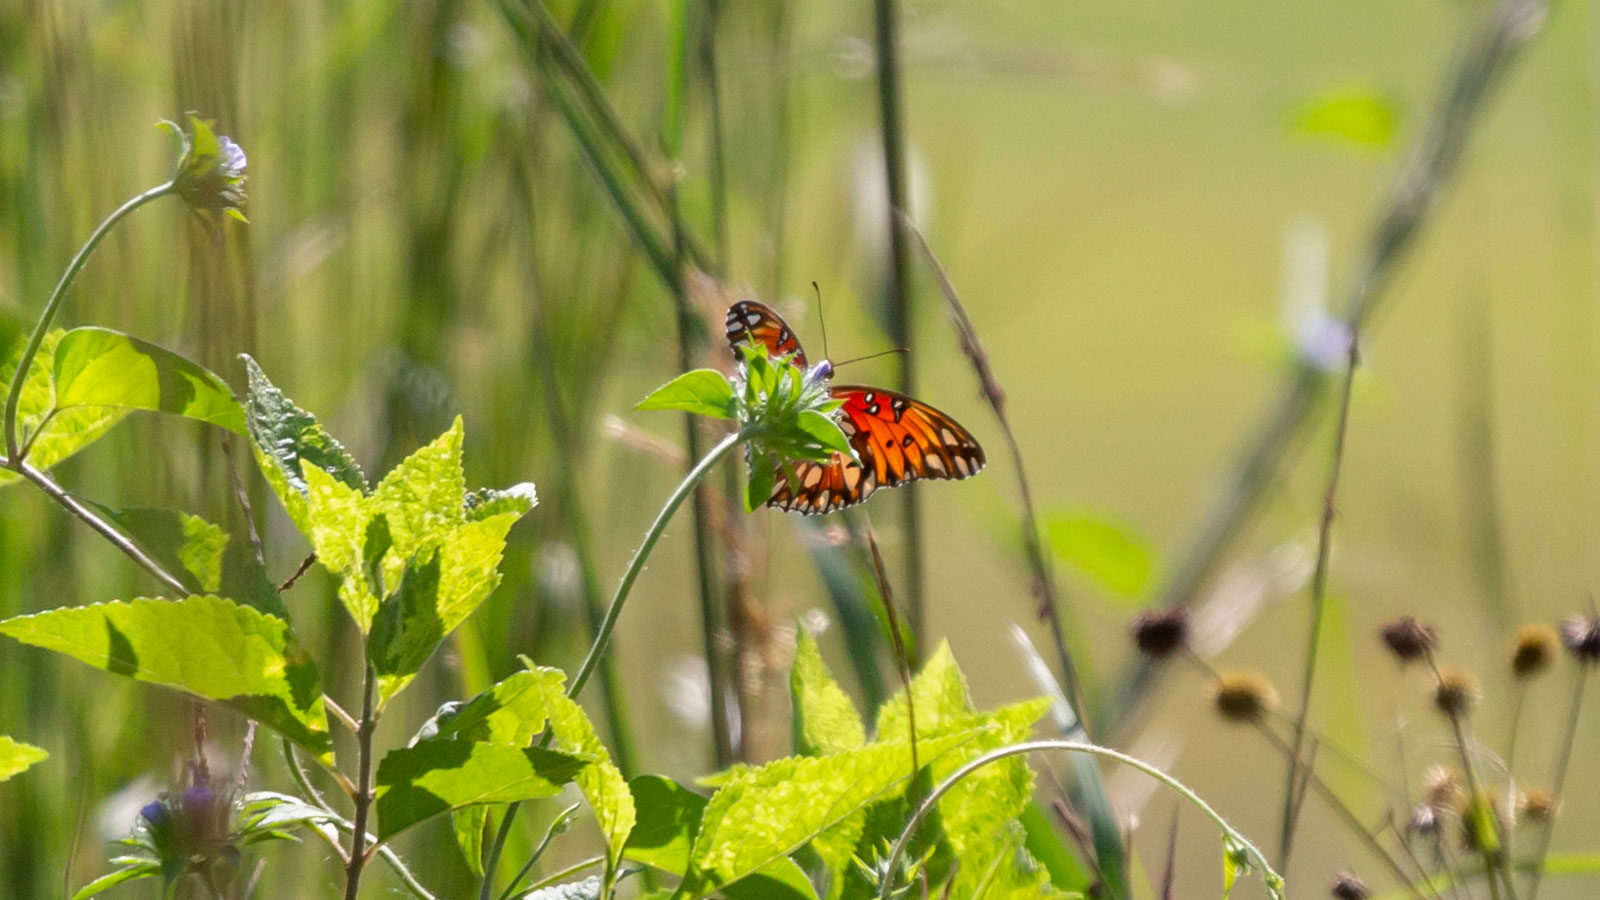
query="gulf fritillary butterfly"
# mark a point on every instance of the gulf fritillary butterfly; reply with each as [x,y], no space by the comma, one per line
[896,438]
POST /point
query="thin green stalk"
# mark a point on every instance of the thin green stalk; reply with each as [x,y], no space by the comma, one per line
[1257,859]
[1319,603]
[1493,844]
[1559,780]
[886,31]
[636,565]
[1489,51]
[496,847]
[53,305]
[363,798]
[538,851]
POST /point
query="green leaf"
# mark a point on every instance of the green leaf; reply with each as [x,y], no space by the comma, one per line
[825,720]
[436,776]
[824,430]
[669,817]
[485,502]
[200,555]
[424,496]
[758,489]
[207,646]
[16,757]
[334,517]
[468,825]
[51,435]
[1114,556]
[771,811]
[704,392]
[144,868]
[1356,115]
[284,437]
[780,879]
[98,367]
[587,889]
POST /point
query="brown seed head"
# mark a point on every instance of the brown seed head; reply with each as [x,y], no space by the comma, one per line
[1408,639]
[1159,632]
[1456,691]
[1441,788]
[1537,805]
[1532,649]
[1243,696]
[1346,886]
[1581,634]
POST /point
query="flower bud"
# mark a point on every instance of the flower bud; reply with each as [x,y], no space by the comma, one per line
[1408,639]
[1243,696]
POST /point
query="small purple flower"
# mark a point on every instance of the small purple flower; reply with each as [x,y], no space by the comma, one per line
[211,169]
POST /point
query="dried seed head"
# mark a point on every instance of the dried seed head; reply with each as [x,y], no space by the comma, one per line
[1408,639]
[1441,789]
[1456,691]
[1537,805]
[1532,649]
[1424,820]
[1159,632]
[1581,634]
[1243,696]
[1346,886]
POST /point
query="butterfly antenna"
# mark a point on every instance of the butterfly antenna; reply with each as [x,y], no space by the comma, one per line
[872,356]
[821,322]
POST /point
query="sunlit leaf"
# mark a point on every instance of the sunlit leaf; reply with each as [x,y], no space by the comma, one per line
[702,391]
[101,367]
[16,757]
[207,646]
[51,435]
[436,776]
[1114,556]
[468,826]
[669,817]
[825,720]
[283,436]
[824,430]
[144,868]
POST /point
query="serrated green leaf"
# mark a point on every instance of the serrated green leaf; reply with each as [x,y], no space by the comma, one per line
[16,757]
[468,826]
[200,555]
[49,435]
[824,430]
[704,392]
[825,720]
[1113,555]
[436,776]
[668,819]
[207,646]
[424,496]
[485,502]
[141,869]
[587,889]
[283,437]
[772,810]
[98,367]
[939,693]
[335,518]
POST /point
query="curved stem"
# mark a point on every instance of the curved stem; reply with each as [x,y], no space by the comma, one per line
[602,637]
[54,304]
[1273,879]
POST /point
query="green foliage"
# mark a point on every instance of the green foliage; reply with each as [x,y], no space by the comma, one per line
[443,774]
[98,367]
[669,817]
[825,720]
[201,555]
[415,556]
[16,757]
[704,392]
[210,172]
[1114,556]
[208,646]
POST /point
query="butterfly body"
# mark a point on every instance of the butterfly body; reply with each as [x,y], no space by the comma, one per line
[896,439]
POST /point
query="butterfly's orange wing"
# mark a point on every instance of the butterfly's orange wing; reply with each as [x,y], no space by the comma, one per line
[751,322]
[897,440]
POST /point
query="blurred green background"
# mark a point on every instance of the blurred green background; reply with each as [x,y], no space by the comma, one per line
[1144,205]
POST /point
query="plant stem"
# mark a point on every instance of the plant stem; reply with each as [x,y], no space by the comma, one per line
[1319,603]
[53,305]
[1487,57]
[887,34]
[106,530]
[636,565]
[363,798]
[904,662]
[533,859]
[496,847]
[1274,881]
[1560,777]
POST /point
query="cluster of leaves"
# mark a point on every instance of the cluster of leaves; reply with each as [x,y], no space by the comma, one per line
[785,413]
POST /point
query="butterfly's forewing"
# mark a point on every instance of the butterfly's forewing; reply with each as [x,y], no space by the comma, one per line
[751,322]
[897,440]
